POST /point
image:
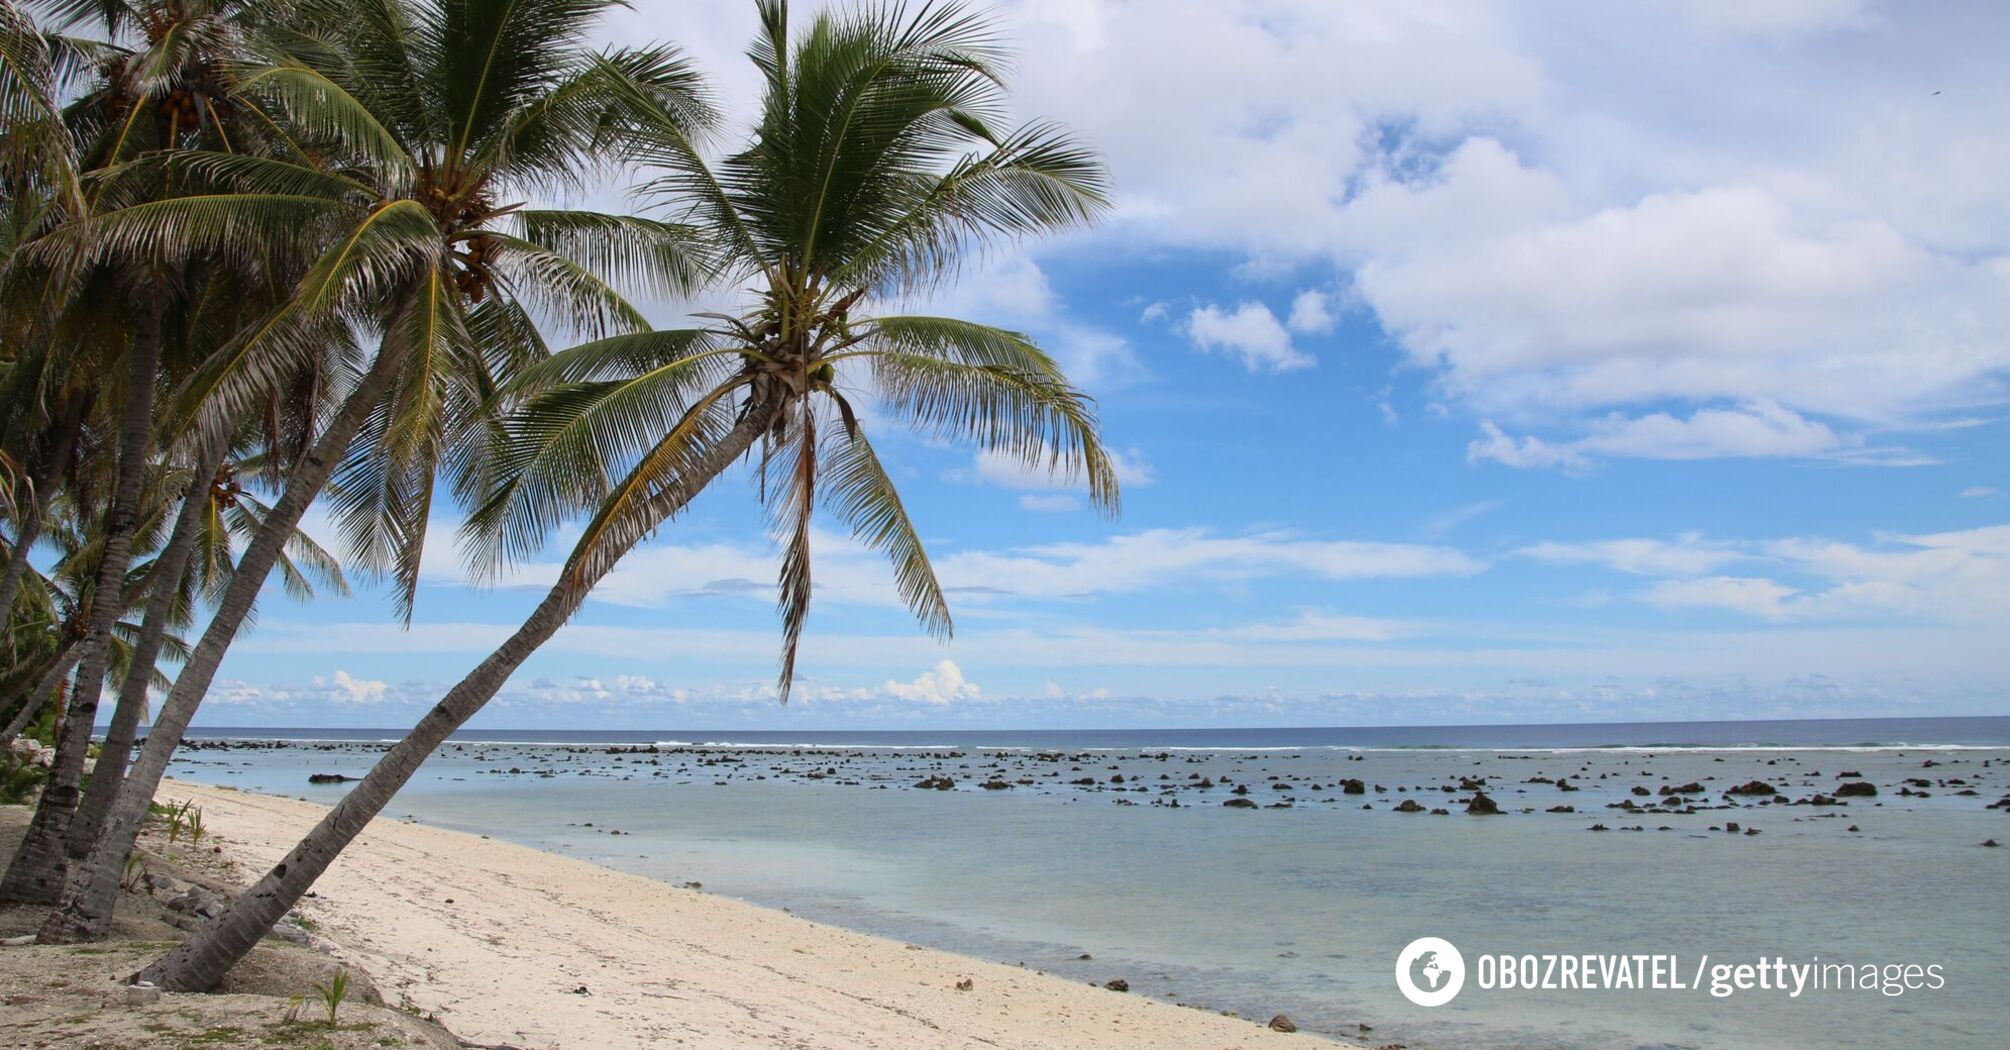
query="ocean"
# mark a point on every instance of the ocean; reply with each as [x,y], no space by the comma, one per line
[1110,854]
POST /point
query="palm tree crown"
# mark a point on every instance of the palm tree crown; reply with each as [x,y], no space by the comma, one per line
[874,169]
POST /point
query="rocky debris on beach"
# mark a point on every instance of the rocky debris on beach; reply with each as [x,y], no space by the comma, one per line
[1282,1023]
[1117,985]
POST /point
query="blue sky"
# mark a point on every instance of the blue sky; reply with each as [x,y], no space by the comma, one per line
[1469,363]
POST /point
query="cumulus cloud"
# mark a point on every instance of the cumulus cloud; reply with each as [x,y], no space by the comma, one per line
[940,686]
[346,688]
[1312,313]
[1251,334]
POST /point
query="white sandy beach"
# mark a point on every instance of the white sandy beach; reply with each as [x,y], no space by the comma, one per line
[497,939]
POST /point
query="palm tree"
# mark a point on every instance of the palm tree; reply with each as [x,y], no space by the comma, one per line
[874,168]
[57,605]
[425,126]
[38,181]
[174,90]
[216,513]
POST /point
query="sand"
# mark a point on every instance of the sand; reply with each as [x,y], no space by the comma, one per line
[511,945]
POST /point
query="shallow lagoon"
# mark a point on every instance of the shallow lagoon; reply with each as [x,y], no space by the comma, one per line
[1301,909]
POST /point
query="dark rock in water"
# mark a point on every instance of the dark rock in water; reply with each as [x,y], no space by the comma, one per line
[1859,789]
[1756,787]
[1118,985]
[994,785]
[1599,827]
[1991,843]
[1562,809]
[1281,1023]
[1353,787]
[1409,805]
[1239,803]
[1691,788]
[1731,826]
[1469,784]
[1853,827]
[1085,957]
[1482,806]
[1848,773]
[1640,789]
[936,783]
[1242,789]
[329,778]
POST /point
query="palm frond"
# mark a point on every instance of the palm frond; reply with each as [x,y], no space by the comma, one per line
[857,489]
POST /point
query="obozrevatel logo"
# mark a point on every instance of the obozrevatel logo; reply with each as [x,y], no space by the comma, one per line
[1430,971]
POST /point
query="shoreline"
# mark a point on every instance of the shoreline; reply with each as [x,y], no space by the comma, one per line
[510,944]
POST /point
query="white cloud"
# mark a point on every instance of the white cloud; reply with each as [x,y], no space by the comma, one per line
[1161,558]
[939,686]
[1979,492]
[1007,471]
[1753,597]
[345,688]
[1312,313]
[1251,334]
[1951,577]
[1495,445]
[1049,502]
[1689,555]
[1756,429]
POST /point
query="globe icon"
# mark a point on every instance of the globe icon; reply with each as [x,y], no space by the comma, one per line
[1426,973]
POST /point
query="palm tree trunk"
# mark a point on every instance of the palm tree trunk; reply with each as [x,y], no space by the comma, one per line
[86,905]
[202,960]
[67,422]
[168,570]
[52,681]
[36,875]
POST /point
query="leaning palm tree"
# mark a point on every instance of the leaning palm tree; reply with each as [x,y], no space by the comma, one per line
[173,89]
[425,127]
[874,168]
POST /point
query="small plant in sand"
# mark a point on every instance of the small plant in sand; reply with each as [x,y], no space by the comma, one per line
[194,821]
[135,873]
[177,820]
[333,992]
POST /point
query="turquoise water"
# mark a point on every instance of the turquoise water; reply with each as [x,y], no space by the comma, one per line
[1303,909]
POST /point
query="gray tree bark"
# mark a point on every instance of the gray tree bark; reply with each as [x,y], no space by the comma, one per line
[85,908]
[202,960]
[166,585]
[37,872]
